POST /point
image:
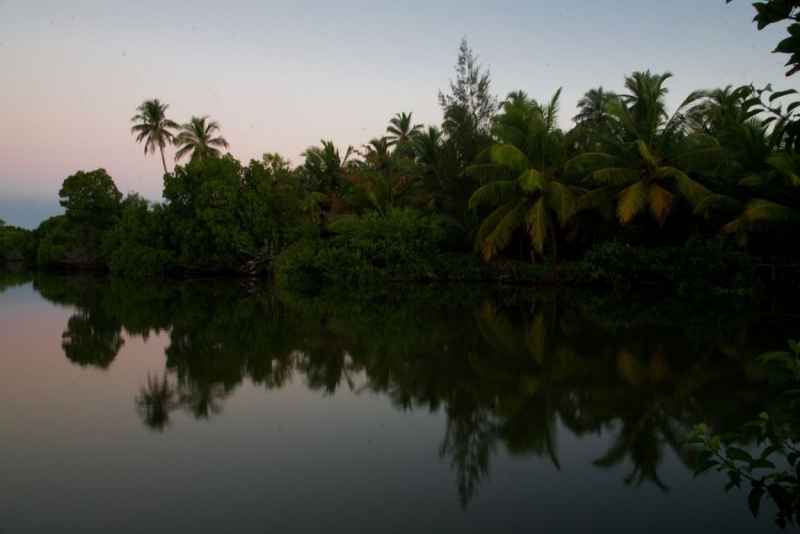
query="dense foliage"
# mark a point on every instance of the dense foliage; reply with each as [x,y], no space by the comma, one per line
[227,217]
[635,194]
[13,242]
[397,246]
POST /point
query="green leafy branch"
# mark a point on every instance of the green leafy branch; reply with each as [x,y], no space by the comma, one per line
[782,436]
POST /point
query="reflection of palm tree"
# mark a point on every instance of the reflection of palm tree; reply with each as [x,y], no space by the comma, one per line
[155,401]
[529,424]
[469,442]
[642,437]
[326,366]
[202,400]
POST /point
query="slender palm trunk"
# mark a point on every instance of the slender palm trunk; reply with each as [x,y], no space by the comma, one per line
[163,161]
[554,239]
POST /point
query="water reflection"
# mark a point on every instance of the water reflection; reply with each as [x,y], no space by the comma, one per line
[155,401]
[508,368]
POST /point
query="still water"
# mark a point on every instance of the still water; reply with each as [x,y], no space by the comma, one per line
[224,406]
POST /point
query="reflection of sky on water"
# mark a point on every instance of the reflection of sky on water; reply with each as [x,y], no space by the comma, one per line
[74,456]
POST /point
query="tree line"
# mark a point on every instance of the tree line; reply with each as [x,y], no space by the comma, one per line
[498,179]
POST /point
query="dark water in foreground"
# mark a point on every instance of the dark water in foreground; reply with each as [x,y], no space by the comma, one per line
[218,406]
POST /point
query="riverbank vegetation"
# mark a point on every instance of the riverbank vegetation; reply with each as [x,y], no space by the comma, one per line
[633,193]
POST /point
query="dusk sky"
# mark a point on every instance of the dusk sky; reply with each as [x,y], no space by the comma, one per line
[280,76]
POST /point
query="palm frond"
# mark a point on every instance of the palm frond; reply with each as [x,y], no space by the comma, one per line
[496,230]
[532,181]
[701,159]
[764,210]
[509,156]
[752,180]
[594,160]
[632,201]
[597,200]
[660,202]
[644,152]
[619,176]
[538,220]
[486,172]
[717,203]
[678,118]
[760,220]
[493,193]
[689,189]
[183,151]
[218,141]
[787,165]
[560,199]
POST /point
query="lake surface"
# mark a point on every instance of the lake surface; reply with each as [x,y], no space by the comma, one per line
[227,406]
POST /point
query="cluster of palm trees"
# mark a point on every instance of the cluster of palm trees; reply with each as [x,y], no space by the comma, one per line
[723,155]
[384,173]
[724,160]
[196,138]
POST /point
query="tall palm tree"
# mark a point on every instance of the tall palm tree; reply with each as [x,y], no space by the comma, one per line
[376,152]
[593,109]
[523,174]
[153,127]
[722,109]
[325,167]
[646,163]
[427,148]
[196,137]
[382,179]
[401,131]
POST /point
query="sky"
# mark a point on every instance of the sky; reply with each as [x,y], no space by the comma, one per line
[281,76]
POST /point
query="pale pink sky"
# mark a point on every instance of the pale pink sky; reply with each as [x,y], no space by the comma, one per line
[280,76]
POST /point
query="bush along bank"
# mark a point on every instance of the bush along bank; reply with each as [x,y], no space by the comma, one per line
[402,247]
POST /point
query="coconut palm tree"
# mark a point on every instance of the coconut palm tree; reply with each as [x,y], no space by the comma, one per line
[427,148]
[401,130]
[646,163]
[197,137]
[382,179]
[722,109]
[376,153]
[593,109]
[153,127]
[776,206]
[760,167]
[325,167]
[523,175]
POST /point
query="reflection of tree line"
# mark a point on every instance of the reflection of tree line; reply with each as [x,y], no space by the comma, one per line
[506,369]
[13,274]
